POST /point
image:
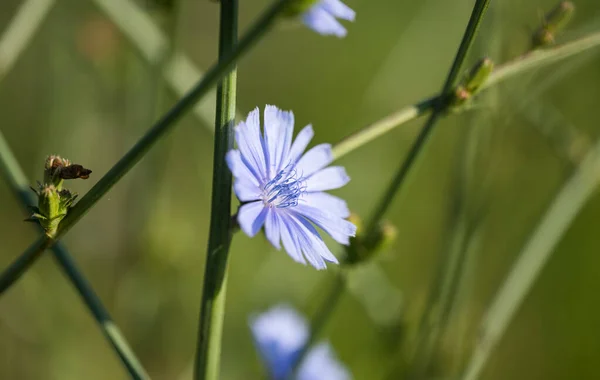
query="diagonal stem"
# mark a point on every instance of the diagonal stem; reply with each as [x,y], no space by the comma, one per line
[135,154]
[438,104]
[178,71]
[17,181]
[439,107]
[212,311]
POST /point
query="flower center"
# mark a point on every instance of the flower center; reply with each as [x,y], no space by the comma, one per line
[283,190]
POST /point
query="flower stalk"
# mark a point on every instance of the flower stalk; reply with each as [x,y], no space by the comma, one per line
[212,310]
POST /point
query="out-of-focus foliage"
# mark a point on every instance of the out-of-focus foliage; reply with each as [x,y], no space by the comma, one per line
[82,90]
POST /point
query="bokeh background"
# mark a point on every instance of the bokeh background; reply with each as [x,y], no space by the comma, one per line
[84,90]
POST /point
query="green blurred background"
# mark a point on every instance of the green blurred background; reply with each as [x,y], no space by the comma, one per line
[82,90]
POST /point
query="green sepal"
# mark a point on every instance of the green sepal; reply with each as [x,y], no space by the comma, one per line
[297,7]
[364,248]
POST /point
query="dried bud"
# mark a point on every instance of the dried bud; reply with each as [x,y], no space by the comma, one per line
[58,169]
[74,171]
[552,24]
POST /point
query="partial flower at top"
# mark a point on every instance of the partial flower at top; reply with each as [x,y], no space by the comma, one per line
[280,334]
[322,17]
[284,189]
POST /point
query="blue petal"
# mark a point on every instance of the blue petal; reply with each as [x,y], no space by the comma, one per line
[239,169]
[288,237]
[251,217]
[300,144]
[329,178]
[272,227]
[245,191]
[315,159]
[279,128]
[327,202]
[321,364]
[250,144]
[338,9]
[323,22]
[313,247]
[339,229]
[280,333]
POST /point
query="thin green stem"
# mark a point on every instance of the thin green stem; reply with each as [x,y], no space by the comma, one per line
[381,127]
[13,174]
[159,130]
[212,311]
[438,104]
[439,107]
[520,65]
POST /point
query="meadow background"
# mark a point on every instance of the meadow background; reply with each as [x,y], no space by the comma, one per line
[82,90]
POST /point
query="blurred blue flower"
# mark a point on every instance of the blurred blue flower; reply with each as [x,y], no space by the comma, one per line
[322,17]
[280,333]
[284,189]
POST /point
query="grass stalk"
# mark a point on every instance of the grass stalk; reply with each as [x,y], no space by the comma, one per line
[536,252]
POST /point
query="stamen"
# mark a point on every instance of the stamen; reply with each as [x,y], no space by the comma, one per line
[284,189]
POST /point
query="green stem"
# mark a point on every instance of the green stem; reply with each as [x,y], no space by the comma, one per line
[438,104]
[212,311]
[520,65]
[159,130]
[17,181]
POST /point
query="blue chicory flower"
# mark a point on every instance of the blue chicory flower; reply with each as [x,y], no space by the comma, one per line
[280,333]
[322,17]
[284,189]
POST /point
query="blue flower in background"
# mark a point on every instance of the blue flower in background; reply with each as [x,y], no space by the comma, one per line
[280,334]
[284,189]
[322,17]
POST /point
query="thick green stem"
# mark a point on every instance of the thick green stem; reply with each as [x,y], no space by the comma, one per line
[212,310]
[159,130]
[17,181]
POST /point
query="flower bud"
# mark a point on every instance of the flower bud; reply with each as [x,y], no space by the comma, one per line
[478,74]
[471,83]
[553,23]
[50,210]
